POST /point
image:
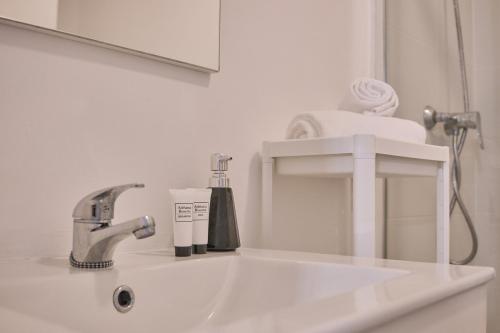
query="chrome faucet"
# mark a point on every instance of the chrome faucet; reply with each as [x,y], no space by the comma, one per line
[94,238]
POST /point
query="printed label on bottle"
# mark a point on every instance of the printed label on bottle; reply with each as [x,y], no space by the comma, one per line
[183,212]
[200,211]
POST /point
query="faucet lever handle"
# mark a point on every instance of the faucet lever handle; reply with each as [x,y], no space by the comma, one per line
[98,206]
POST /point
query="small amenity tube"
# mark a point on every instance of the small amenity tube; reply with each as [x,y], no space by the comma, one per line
[201,209]
[182,217]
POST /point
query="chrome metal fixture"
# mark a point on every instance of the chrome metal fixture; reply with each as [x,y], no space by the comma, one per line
[94,238]
[454,122]
[123,299]
[456,125]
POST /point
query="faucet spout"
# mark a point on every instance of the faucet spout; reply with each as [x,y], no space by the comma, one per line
[97,245]
[141,227]
[103,240]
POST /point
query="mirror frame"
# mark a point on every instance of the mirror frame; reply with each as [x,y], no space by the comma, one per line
[87,40]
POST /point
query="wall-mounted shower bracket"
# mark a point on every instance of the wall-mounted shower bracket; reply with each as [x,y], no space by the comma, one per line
[454,122]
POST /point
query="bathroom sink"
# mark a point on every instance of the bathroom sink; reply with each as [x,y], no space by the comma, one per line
[247,291]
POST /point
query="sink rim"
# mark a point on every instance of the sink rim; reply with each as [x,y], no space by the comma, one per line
[420,284]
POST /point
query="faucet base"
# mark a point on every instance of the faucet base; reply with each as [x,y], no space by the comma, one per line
[89,265]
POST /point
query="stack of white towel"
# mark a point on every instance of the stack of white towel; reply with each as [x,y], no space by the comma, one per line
[367,108]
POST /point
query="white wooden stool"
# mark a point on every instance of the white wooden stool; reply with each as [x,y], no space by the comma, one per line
[362,157]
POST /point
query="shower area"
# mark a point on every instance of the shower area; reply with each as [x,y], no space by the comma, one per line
[424,65]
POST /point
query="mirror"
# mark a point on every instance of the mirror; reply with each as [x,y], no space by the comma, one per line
[183,32]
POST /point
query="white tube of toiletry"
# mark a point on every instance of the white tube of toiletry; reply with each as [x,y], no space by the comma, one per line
[201,210]
[182,216]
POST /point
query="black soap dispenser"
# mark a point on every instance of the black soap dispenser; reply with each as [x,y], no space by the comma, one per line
[222,225]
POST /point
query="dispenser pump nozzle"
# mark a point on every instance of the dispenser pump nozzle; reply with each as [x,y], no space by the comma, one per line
[218,165]
[219,161]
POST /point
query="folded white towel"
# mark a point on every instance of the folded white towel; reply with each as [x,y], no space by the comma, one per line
[371,97]
[343,123]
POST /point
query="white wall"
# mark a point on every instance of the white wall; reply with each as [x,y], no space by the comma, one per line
[423,67]
[485,164]
[75,118]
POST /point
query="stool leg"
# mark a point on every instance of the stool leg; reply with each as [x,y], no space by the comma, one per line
[364,207]
[443,214]
[267,202]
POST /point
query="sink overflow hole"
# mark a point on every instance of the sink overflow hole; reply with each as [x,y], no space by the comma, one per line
[123,299]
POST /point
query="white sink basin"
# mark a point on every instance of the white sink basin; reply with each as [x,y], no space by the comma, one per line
[251,291]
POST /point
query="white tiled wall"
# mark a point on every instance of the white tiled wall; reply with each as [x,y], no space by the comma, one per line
[75,118]
[423,67]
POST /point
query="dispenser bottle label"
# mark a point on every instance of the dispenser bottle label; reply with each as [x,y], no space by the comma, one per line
[200,211]
[183,212]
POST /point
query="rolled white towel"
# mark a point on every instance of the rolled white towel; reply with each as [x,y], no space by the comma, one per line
[343,123]
[371,97]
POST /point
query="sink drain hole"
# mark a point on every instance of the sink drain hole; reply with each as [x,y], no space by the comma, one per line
[123,299]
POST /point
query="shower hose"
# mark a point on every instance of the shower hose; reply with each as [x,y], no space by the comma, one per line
[457,144]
